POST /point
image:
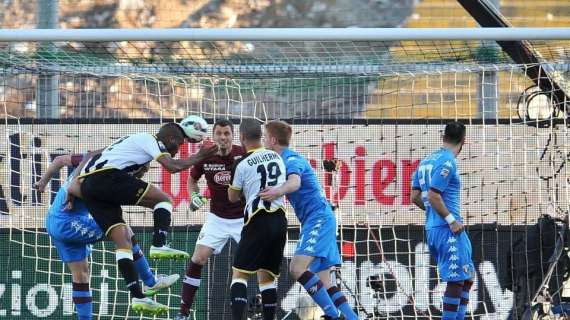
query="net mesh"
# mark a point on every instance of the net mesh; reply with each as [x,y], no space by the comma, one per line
[375,108]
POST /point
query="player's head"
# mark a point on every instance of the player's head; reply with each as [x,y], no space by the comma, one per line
[223,134]
[277,134]
[172,136]
[250,133]
[454,135]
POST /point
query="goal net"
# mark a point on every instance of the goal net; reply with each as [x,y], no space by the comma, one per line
[371,108]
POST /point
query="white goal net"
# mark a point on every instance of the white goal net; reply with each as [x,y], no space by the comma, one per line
[374,108]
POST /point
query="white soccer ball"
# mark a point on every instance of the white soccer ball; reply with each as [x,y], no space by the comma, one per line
[194,127]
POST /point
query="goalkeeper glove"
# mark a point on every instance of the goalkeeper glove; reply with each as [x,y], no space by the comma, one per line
[197,201]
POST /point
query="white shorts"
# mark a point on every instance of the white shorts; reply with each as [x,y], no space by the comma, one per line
[217,231]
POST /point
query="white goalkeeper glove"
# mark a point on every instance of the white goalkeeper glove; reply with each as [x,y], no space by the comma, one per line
[197,201]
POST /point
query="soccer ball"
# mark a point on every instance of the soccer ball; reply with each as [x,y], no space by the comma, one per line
[194,128]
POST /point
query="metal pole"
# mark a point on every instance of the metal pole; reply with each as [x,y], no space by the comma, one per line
[285,34]
[47,89]
[488,82]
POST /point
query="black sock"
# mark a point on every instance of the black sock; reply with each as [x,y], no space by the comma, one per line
[239,299]
[127,268]
[162,218]
[269,301]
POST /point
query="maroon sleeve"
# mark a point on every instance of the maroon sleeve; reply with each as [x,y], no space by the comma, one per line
[76,159]
[197,171]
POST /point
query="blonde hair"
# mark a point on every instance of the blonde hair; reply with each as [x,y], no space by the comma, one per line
[281,130]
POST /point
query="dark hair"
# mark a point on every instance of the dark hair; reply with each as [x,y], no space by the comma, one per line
[281,130]
[250,128]
[454,132]
[223,123]
[169,130]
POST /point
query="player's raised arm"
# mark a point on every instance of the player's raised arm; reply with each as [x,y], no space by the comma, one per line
[176,165]
[66,160]
[54,167]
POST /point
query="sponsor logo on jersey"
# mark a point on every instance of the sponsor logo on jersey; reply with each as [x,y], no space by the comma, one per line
[223,177]
[214,167]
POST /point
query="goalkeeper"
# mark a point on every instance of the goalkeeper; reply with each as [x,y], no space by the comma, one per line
[73,230]
[225,219]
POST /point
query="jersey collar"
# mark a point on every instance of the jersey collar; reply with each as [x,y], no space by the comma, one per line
[255,149]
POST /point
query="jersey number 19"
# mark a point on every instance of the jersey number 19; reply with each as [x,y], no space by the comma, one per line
[269,177]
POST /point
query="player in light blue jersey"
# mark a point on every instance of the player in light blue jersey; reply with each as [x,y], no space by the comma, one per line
[436,188]
[317,251]
[73,230]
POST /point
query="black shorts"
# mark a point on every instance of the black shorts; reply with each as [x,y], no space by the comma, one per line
[262,243]
[104,192]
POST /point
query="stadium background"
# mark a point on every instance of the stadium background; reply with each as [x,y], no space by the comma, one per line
[29,270]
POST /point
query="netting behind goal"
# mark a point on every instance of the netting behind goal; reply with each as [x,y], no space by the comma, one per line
[373,108]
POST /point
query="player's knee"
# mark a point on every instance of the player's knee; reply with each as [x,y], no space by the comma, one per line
[166,205]
[80,273]
[296,270]
[83,276]
[237,275]
[120,235]
[199,258]
[162,196]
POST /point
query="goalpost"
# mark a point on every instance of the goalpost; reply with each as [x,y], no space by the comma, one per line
[365,104]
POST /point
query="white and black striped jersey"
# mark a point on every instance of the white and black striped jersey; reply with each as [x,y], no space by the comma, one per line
[129,154]
[258,169]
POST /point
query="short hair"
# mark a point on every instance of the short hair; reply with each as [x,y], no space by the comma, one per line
[223,123]
[281,130]
[454,132]
[171,129]
[250,128]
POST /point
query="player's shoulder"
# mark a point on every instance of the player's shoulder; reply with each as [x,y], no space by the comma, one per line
[289,155]
[240,160]
[237,151]
[141,138]
[447,159]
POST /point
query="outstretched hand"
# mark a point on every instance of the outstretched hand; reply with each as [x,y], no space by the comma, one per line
[208,149]
[269,194]
[40,185]
[456,227]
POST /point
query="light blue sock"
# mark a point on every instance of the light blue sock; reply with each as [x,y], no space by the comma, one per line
[83,300]
[450,307]
[341,303]
[463,305]
[142,266]
[317,291]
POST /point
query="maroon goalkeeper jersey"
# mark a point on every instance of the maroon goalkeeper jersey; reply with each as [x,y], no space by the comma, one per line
[218,172]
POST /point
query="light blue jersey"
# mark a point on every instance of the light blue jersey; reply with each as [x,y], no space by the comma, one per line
[438,172]
[309,200]
[452,252]
[72,231]
[57,208]
[318,223]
